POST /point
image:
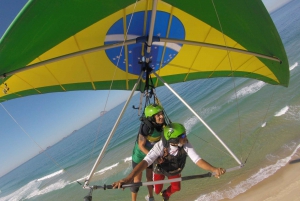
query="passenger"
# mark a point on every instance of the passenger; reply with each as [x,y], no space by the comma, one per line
[151,130]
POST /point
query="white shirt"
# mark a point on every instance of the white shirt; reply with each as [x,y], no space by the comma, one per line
[158,150]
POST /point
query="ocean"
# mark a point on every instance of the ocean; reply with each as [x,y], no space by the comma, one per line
[262,129]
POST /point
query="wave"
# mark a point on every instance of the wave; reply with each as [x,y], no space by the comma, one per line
[189,123]
[253,88]
[208,111]
[127,159]
[192,121]
[56,186]
[51,175]
[264,124]
[102,171]
[293,66]
[22,192]
[243,186]
[31,189]
[282,111]
[293,113]
[81,179]
[248,90]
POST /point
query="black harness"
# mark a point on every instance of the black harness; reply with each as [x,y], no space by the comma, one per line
[171,165]
[148,123]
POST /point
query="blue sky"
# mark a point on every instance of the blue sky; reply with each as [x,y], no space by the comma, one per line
[46,119]
[273,5]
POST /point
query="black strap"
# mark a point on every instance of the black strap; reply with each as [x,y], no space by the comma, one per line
[148,123]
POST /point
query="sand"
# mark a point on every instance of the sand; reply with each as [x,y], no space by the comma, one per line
[284,185]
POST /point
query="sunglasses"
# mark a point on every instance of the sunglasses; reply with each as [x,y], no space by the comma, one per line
[182,135]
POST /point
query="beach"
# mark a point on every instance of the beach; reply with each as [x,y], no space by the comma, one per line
[283,185]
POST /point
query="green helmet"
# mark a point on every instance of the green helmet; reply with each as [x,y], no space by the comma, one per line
[173,131]
[152,109]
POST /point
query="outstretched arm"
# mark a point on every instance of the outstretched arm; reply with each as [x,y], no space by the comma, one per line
[139,168]
[206,166]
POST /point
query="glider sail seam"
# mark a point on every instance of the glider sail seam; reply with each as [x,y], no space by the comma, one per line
[71,55]
[195,43]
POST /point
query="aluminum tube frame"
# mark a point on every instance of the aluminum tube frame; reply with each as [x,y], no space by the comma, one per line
[225,146]
[111,133]
[187,42]
[151,30]
[182,178]
[137,184]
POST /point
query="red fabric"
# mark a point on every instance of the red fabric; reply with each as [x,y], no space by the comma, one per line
[175,186]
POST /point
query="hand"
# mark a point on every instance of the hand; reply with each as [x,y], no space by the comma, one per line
[118,184]
[219,171]
[160,160]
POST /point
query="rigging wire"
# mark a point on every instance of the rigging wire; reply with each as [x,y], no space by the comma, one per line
[212,145]
[259,130]
[235,92]
[232,72]
[111,84]
[45,151]
[35,142]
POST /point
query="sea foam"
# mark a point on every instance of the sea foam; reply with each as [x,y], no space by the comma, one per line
[293,66]
[55,186]
[243,186]
[282,111]
[102,171]
[192,121]
[21,193]
[51,175]
[31,189]
[248,90]
[128,159]
[293,113]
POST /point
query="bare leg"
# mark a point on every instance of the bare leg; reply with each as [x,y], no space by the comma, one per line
[149,176]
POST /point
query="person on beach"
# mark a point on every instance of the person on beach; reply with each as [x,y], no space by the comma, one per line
[150,132]
[168,157]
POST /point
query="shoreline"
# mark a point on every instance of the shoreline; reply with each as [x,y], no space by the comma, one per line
[283,185]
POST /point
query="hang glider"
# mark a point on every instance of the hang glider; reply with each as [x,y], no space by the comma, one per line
[57,46]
